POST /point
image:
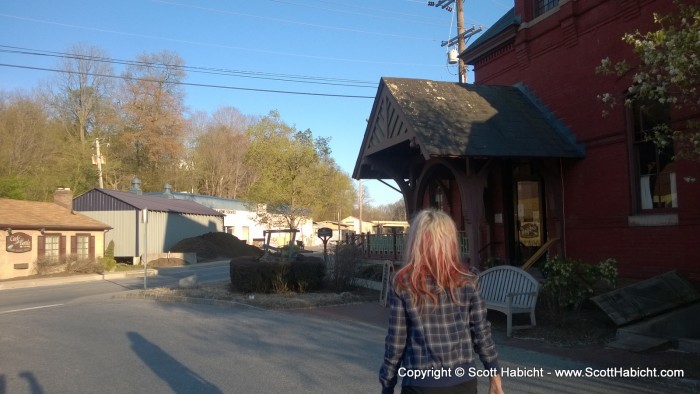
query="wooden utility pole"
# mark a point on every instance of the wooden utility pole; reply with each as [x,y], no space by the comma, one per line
[98,159]
[461,46]
[462,33]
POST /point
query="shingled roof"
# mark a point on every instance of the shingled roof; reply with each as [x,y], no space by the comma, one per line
[19,214]
[446,119]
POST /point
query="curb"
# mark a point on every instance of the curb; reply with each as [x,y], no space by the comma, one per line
[187,300]
[25,283]
[20,283]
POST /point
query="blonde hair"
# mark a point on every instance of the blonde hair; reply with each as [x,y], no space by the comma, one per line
[432,252]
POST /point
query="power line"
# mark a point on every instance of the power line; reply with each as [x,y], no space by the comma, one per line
[198,69]
[188,83]
[400,16]
[207,44]
[329,27]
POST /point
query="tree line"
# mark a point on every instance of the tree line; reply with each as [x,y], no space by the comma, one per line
[49,134]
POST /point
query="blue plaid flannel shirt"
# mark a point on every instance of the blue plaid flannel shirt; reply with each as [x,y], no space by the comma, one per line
[445,335]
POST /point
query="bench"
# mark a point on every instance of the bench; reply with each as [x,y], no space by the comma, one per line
[509,290]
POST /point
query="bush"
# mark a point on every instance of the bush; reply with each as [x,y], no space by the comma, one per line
[47,266]
[108,262]
[346,258]
[249,275]
[569,282]
[371,271]
[252,276]
[67,264]
[109,252]
[74,265]
[308,273]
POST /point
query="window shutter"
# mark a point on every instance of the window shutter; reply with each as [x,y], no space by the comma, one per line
[62,246]
[91,246]
[41,246]
[74,245]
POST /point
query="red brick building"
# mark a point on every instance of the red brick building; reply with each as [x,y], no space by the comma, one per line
[538,162]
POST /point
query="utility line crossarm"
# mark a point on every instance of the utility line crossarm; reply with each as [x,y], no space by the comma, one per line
[462,34]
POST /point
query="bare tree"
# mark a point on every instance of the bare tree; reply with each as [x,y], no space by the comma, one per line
[83,89]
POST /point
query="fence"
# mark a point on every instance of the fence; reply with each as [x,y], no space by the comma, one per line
[390,246]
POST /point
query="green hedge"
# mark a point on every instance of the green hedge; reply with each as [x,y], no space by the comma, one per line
[249,275]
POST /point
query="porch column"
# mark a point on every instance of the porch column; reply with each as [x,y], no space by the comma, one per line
[472,188]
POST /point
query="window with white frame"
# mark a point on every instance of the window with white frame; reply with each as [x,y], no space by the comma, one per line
[52,247]
[82,246]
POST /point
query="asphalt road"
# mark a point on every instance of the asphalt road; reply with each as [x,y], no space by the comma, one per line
[85,338]
[101,344]
[39,293]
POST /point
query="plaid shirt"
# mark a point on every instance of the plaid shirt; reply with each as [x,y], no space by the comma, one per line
[445,335]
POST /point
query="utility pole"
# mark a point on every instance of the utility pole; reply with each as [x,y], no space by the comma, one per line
[462,34]
[98,159]
[461,46]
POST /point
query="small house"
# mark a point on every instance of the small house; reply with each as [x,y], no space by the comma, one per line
[32,231]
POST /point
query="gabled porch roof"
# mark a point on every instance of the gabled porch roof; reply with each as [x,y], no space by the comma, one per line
[417,117]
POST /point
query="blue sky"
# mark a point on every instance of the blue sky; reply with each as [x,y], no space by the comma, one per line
[343,46]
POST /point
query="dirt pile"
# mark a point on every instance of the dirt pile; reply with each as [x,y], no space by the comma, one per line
[213,246]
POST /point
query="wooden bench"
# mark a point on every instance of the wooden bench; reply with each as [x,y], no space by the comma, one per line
[509,290]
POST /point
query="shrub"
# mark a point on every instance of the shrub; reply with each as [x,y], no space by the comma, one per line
[252,276]
[47,266]
[67,264]
[280,282]
[569,282]
[370,271]
[308,273]
[74,265]
[249,275]
[109,252]
[108,262]
[346,258]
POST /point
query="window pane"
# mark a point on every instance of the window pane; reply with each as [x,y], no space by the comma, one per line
[544,6]
[52,243]
[656,174]
[83,251]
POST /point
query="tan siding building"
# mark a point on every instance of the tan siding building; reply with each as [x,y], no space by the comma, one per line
[31,231]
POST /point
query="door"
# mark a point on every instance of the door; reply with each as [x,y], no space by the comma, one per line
[528,218]
[527,231]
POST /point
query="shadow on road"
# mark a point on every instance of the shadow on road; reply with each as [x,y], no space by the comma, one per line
[180,378]
[34,386]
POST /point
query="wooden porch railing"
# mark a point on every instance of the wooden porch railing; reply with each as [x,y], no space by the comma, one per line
[390,246]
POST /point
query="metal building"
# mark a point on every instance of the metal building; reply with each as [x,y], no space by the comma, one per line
[167,220]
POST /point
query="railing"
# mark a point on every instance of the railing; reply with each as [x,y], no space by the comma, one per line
[390,246]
